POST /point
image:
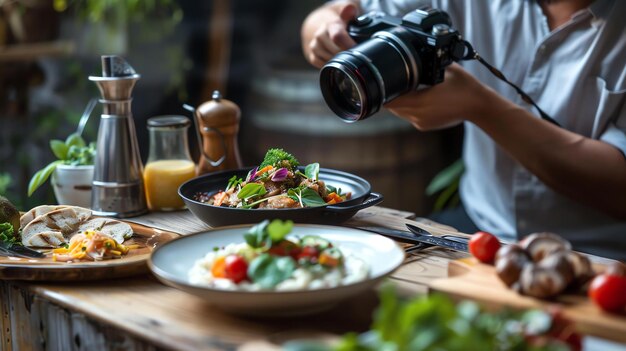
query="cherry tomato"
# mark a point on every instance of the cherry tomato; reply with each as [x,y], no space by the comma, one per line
[484,246]
[236,268]
[285,248]
[608,291]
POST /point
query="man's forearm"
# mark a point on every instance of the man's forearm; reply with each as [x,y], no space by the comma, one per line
[587,170]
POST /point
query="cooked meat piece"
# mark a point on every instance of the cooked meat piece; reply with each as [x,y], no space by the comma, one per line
[311,184]
[281,202]
[36,212]
[272,188]
[119,231]
[54,228]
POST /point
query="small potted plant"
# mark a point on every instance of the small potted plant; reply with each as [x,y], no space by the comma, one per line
[72,173]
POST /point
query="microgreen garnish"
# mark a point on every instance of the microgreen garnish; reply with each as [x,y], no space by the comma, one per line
[233,182]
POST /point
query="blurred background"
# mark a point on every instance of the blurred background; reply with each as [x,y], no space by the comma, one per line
[185,49]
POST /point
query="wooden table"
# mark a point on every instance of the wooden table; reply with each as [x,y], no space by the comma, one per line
[141,314]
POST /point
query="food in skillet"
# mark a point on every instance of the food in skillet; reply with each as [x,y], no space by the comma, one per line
[269,261]
[276,183]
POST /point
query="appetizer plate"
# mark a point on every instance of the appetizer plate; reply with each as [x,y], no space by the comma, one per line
[45,269]
[171,264]
[215,216]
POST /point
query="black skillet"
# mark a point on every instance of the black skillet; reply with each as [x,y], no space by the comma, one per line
[215,216]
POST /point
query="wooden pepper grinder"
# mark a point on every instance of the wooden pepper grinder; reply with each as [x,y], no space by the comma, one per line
[218,126]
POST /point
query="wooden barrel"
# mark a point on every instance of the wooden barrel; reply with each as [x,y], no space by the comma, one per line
[287,111]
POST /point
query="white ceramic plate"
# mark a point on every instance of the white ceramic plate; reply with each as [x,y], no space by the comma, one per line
[172,262]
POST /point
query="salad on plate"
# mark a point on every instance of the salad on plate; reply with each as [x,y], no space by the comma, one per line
[270,260]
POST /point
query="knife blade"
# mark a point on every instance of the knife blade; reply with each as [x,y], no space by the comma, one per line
[19,250]
[412,238]
[458,243]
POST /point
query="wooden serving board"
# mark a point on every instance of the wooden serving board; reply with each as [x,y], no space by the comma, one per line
[45,269]
[468,279]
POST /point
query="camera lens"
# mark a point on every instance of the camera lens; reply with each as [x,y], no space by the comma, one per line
[357,82]
[347,95]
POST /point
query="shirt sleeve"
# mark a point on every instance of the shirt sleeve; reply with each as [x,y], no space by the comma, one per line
[396,8]
[615,133]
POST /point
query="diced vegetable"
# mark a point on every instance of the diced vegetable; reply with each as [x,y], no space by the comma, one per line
[315,241]
[219,267]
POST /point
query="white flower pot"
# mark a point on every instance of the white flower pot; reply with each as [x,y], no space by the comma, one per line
[72,185]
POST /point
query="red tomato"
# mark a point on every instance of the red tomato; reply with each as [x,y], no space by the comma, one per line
[236,268]
[484,246]
[309,253]
[285,248]
[609,292]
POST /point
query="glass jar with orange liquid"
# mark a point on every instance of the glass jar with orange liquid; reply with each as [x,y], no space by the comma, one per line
[169,164]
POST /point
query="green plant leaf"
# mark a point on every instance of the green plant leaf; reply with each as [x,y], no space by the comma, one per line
[446,177]
[448,196]
[75,140]
[40,177]
[59,148]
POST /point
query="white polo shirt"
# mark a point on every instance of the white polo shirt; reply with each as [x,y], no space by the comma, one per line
[576,74]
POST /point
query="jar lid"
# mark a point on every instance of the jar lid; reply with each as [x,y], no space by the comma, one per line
[169,121]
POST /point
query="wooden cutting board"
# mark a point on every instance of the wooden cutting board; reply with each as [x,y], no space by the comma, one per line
[468,279]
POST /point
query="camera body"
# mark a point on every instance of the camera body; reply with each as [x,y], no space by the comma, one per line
[393,56]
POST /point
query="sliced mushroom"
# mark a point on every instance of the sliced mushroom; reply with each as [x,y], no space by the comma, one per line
[581,266]
[559,263]
[510,260]
[539,245]
[541,282]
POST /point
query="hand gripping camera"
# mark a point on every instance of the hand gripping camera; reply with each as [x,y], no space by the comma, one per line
[393,56]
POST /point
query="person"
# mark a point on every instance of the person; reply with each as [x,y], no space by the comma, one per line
[522,173]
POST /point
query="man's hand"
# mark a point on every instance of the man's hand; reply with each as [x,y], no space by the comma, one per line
[459,97]
[324,32]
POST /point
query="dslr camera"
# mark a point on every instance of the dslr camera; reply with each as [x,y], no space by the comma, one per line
[392,57]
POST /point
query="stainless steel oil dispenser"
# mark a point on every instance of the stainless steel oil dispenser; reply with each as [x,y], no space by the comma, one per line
[118,183]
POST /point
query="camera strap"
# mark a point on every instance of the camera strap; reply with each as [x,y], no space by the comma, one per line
[473,55]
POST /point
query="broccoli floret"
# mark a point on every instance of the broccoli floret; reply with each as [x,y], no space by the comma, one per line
[279,158]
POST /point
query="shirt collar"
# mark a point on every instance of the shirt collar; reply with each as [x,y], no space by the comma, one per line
[601,8]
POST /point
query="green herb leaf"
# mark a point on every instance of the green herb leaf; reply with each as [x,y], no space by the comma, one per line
[40,177]
[332,189]
[6,234]
[59,149]
[310,198]
[278,230]
[255,237]
[251,189]
[268,271]
[312,171]
[307,197]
